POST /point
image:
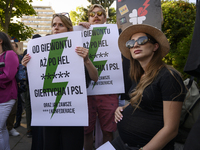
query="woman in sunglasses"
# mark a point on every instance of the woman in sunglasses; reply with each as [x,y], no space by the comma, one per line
[151,120]
[67,138]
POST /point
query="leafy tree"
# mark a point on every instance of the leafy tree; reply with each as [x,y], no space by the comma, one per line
[112,16]
[179,18]
[80,15]
[20,31]
[104,3]
[18,8]
[183,48]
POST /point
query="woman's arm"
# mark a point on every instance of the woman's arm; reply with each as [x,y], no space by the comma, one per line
[93,73]
[10,69]
[171,114]
[83,52]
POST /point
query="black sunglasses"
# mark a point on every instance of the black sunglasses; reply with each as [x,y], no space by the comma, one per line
[99,13]
[140,41]
[66,14]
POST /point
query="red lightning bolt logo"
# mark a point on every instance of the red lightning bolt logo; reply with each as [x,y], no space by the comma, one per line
[142,11]
[146,4]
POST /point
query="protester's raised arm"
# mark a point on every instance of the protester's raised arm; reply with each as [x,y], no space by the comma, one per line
[25,60]
[83,52]
[85,24]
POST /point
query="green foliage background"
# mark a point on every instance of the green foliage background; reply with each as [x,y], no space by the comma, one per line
[104,3]
[179,19]
[16,8]
[178,25]
[181,58]
[80,15]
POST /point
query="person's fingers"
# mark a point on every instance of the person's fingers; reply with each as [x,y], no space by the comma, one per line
[118,118]
[118,114]
[88,26]
[85,24]
[25,60]
[81,51]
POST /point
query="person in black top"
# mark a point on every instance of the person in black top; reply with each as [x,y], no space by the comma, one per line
[151,120]
[192,142]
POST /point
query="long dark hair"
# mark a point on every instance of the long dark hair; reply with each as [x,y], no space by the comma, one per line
[152,70]
[136,72]
[6,43]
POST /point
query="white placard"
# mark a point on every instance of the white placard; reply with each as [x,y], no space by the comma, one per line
[102,42]
[56,74]
[106,146]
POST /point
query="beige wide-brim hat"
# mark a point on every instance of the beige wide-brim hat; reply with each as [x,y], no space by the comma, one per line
[157,34]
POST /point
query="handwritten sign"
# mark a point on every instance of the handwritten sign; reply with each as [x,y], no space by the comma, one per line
[57,81]
[102,42]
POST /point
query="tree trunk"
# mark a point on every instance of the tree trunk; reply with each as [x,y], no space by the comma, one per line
[8,13]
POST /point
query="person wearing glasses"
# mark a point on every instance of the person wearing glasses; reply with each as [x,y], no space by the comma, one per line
[102,106]
[8,86]
[151,119]
[70,138]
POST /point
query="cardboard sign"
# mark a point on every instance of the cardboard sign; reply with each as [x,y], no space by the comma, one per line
[57,81]
[107,146]
[102,42]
